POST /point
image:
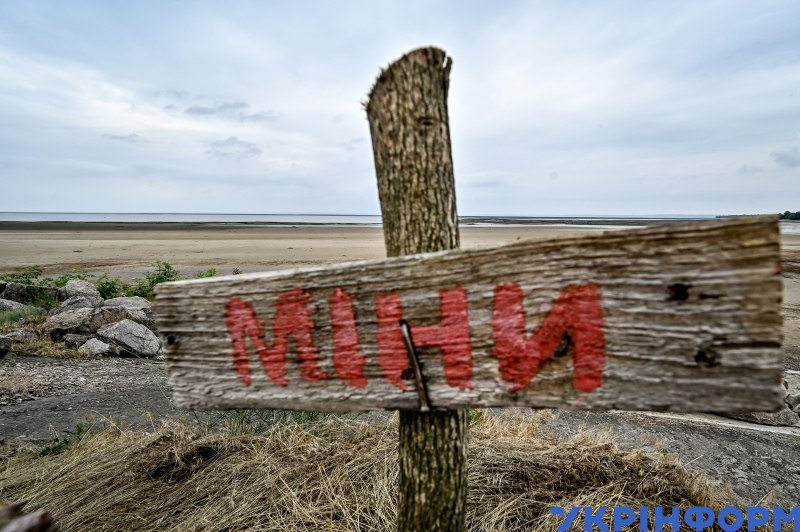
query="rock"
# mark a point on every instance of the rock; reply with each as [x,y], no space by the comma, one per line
[782,418]
[78,287]
[76,340]
[139,309]
[77,302]
[5,346]
[14,291]
[793,401]
[21,335]
[791,381]
[94,347]
[139,316]
[103,316]
[132,338]
[29,293]
[6,305]
[2,286]
[75,321]
[130,302]
[81,321]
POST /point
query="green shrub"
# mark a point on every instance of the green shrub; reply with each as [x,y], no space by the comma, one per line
[33,276]
[211,272]
[61,280]
[28,275]
[36,296]
[163,273]
[110,287]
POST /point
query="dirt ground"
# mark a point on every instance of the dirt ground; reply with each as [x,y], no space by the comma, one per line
[40,398]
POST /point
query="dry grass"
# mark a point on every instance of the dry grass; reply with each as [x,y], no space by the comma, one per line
[333,474]
[13,382]
[41,345]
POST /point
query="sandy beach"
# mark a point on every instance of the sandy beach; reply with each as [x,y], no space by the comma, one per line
[129,249]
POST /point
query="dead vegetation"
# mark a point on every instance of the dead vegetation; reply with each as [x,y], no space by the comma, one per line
[330,474]
[38,345]
[42,346]
[17,382]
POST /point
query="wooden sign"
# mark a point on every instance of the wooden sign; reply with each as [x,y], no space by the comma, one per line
[681,317]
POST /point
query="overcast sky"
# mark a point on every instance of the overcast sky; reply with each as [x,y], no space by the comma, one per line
[557,108]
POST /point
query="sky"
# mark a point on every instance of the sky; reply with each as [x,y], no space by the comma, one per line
[556,108]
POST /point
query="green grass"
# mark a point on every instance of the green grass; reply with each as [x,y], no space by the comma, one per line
[14,318]
[211,272]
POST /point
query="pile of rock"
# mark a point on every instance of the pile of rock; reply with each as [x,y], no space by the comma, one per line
[121,326]
[14,292]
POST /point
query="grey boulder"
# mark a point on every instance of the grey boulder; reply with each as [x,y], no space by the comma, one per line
[78,287]
[139,309]
[77,302]
[94,347]
[6,305]
[21,335]
[139,316]
[81,321]
[76,340]
[129,302]
[133,339]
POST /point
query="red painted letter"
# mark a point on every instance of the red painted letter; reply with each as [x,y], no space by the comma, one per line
[347,358]
[451,337]
[292,318]
[392,355]
[577,311]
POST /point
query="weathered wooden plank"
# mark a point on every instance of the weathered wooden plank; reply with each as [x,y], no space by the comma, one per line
[681,317]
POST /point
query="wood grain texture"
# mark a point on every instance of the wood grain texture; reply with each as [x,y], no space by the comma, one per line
[409,125]
[410,130]
[690,316]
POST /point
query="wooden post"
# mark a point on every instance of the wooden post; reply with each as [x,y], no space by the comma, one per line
[408,118]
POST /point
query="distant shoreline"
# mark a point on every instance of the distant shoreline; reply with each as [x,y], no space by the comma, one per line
[466,221]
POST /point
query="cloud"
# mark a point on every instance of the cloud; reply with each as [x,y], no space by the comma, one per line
[620,105]
[173,94]
[225,109]
[233,148]
[132,137]
[233,111]
[262,116]
[747,169]
[788,158]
